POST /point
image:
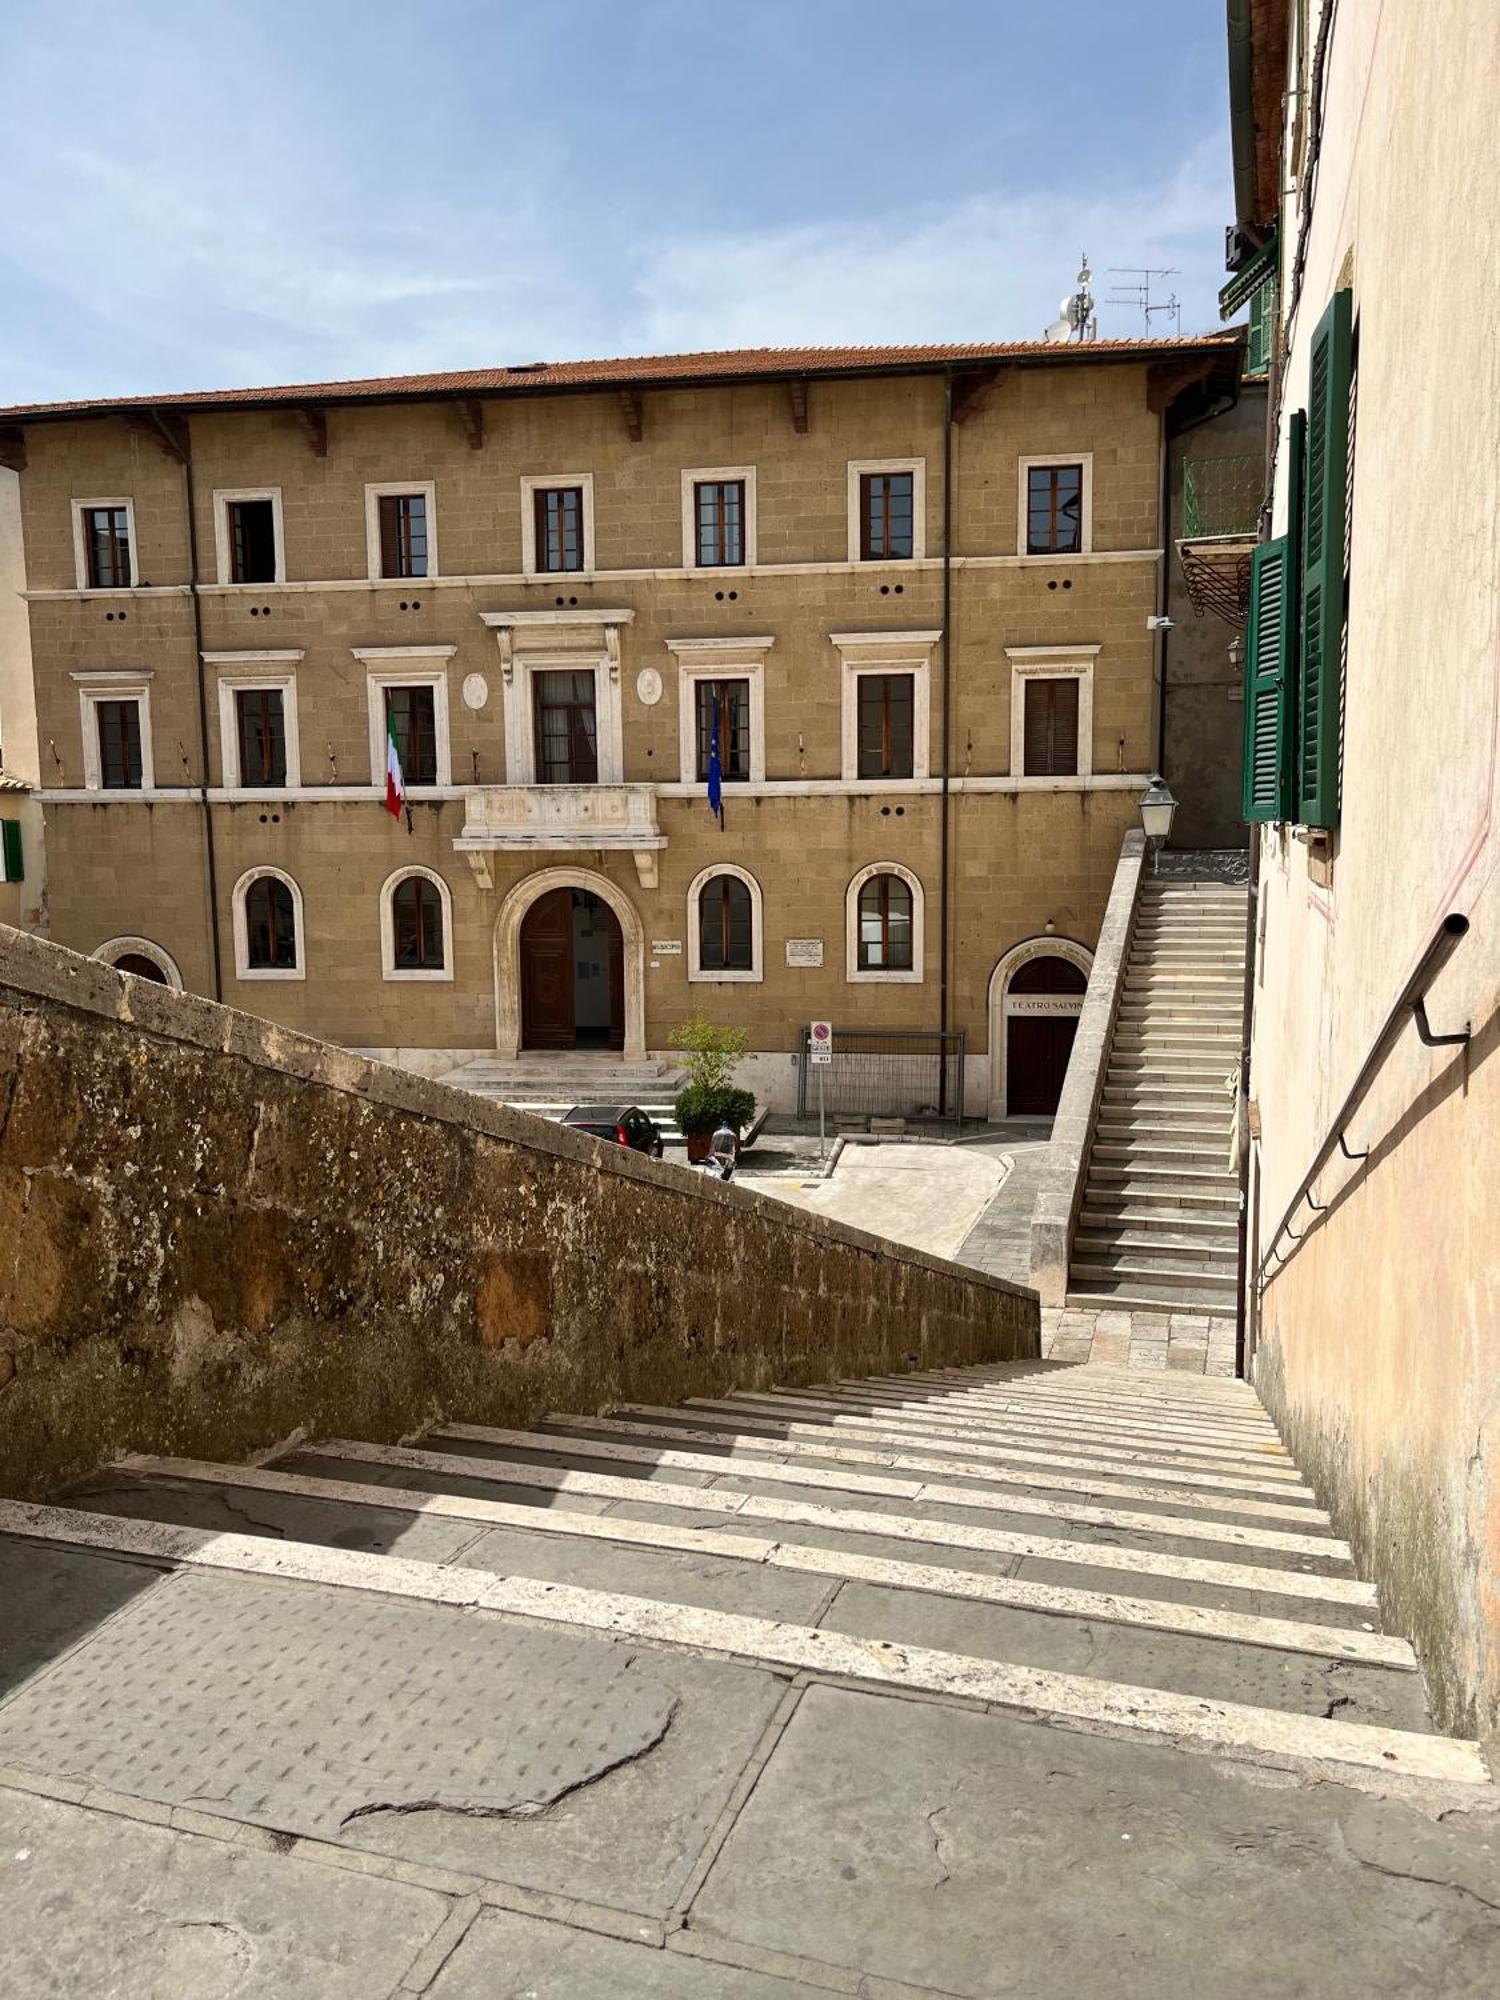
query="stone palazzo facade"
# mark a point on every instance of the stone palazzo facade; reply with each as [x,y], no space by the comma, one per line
[893,602]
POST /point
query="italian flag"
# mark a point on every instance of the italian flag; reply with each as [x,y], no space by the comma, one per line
[395,784]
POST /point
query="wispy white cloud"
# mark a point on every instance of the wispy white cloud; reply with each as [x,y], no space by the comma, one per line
[992,266]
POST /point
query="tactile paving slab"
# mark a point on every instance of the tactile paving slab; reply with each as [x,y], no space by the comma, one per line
[303,1709]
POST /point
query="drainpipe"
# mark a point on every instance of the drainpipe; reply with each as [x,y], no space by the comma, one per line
[944,801]
[209,857]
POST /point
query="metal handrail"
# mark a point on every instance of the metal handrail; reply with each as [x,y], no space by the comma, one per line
[1412,1005]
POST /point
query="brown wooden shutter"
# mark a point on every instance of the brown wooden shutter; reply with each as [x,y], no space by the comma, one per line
[1050,749]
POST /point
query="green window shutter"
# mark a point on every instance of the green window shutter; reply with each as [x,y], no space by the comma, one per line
[10,840]
[1267,748]
[1326,492]
[1269,722]
[1262,328]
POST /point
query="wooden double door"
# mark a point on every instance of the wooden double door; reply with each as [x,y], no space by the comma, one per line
[1042,1007]
[572,973]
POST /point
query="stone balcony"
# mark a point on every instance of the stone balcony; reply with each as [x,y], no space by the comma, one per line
[563,818]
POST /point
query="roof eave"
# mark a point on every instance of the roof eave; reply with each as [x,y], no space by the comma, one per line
[302,395]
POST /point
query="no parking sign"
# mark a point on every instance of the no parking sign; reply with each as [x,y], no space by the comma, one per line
[820,1042]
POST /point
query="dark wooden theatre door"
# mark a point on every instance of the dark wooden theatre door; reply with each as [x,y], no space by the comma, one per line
[1041,1021]
[550,971]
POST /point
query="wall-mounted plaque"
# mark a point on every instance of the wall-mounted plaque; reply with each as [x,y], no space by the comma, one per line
[666,947]
[648,686]
[804,951]
[476,690]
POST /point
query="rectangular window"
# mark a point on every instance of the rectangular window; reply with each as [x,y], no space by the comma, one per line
[1051,739]
[403,534]
[252,540]
[886,707]
[1054,510]
[887,516]
[734,728]
[412,712]
[260,718]
[719,509]
[567,734]
[106,541]
[14,863]
[559,527]
[119,727]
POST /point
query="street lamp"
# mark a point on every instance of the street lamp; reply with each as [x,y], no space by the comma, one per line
[1158,808]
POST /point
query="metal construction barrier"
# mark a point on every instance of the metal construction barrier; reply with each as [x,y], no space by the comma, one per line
[913,1073]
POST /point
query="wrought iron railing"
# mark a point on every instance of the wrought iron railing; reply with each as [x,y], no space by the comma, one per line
[1222,496]
[915,1073]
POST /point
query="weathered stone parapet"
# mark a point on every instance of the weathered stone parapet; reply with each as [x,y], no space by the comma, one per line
[216,1233]
[1062,1182]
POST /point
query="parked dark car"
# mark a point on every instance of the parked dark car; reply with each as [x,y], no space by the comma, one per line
[625,1124]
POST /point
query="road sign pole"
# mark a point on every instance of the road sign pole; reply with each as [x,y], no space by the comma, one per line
[822,1131]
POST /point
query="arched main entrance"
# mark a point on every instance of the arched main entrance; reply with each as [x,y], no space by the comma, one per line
[1036,997]
[572,973]
[628,990]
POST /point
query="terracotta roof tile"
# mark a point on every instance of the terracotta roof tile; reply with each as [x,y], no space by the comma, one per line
[733,364]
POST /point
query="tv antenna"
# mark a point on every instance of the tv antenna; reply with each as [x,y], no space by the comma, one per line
[1139,293]
[1076,318]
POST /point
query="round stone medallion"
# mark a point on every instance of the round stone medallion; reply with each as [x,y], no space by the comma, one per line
[648,686]
[476,690]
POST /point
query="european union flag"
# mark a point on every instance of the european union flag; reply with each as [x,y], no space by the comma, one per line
[715,767]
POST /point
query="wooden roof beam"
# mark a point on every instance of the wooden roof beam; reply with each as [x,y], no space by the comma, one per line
[971,390]
[169,434]
[314,423]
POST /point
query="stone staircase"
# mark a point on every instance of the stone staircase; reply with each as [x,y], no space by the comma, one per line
[621,1674]
[1158,1227]
[550,1085]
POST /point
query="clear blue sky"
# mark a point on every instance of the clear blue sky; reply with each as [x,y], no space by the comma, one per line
[203,192]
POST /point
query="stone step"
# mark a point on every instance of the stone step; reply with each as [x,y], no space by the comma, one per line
[1122,1295]
[1151,1174]
[1198,1719]
[1142,1216]
[1141,1248]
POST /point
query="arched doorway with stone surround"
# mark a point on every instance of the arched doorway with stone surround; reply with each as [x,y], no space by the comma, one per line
[1035,999]
[629,982]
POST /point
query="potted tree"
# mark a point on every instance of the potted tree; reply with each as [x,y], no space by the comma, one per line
[710,1097]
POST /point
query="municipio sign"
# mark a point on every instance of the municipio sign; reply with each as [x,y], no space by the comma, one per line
[820,1042]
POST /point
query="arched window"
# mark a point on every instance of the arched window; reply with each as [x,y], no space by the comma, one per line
[417,917]
[268,941]
[416,925]
[724,925]
[725,943]
[885,925]
[144,958]
[270,926]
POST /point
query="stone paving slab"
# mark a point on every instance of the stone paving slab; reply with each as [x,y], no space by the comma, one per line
[100,1908]
[988,1858]
[52,1598]
[1191,1343]
[306,1709]
[506,1957]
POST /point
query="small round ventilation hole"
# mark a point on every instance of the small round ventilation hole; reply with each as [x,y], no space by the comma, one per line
[901,812]
[572,600]
[416,604]
[560,600]
[109,618]
[885,590]
[885,812]
[733,595]
[1052,583]
[900,589]
[718,597]
[255,611]
[1067,583]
